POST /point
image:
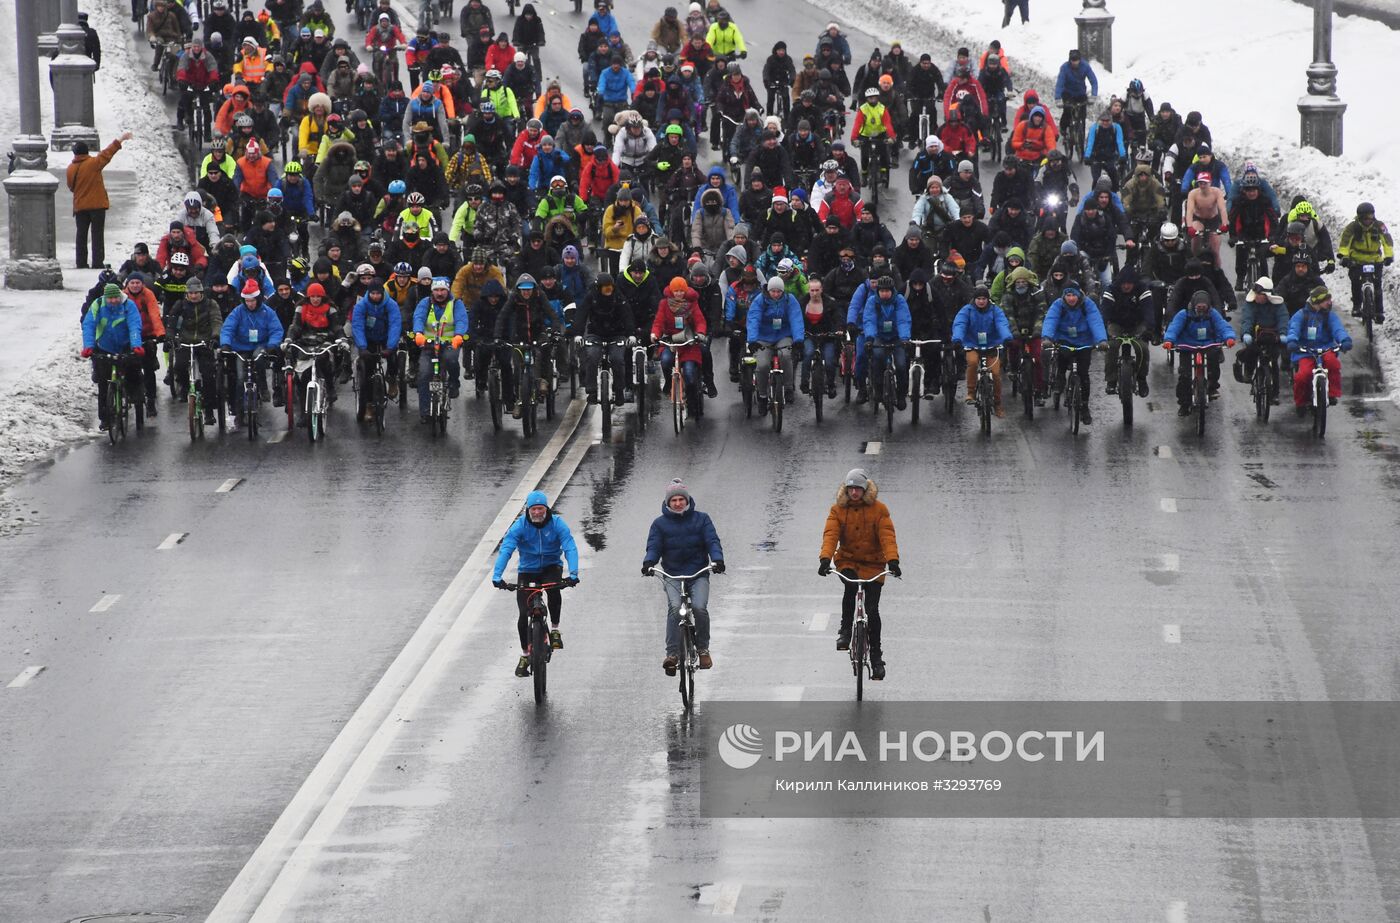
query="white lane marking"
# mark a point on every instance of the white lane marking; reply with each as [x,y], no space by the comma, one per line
[1164,451]
[1172,807]
[727,898]
[281,434]
[1169,504]
[1171,634]
[1392,396]
[787,693]
[819,621]
[107,601]
[873,448]
[742,596]
[1169,562]
[268,884]
[1176,912]
[171,540]
[1171,711]
[228,485]
[25,676]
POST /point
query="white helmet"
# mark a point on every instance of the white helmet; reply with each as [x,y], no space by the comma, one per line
[193,198]
[1169,231]
[179,258]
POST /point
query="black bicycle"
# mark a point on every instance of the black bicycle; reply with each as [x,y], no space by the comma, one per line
[374,390]
[252,397]
[1074,395]
[689,660]
[1072,123]
[1128,348]
[817,373]
[537,611]
[860,630]
[1264,384]
[874,163]
[1200,397]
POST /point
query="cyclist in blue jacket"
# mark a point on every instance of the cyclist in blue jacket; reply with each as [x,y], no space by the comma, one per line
[252,331]
[683,541]
[112,329]
[774,326]
[886,323]
[1074,320]
[376,325]
[542,540]
[1198,325]
[981,325]
[1316,326]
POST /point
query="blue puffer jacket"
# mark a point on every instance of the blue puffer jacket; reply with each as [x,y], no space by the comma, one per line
[380,324]
[683,542]
[112,328]
[538,546]
[976,329]
[1078,326]
[771,320]
[886,321]
[1185,330]
[245,331]
[731,198]
[1316,330]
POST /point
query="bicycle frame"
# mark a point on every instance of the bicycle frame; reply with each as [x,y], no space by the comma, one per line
[1199,398]
[536,610]
[860,629]
[689,647]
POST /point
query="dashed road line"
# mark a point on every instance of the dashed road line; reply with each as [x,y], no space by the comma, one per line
[819,621]
[787,693]
[107,601]
[1169,504]
[1163,451]
[873,448]
[1176,912]
[25,676]
[727,899]
[228,485]
[1171,634]
[171,540]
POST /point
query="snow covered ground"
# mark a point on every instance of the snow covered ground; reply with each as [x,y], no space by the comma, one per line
[47,403]
[1242,67]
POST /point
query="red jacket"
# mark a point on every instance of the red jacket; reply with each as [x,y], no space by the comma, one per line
[522,153]
[694,324]
[198,258]
[594,179]
[498,58]
[846,208]
[959,86]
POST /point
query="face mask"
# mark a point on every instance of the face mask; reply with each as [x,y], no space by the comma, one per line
[848,265]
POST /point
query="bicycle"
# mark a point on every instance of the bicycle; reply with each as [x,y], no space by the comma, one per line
[199,122]
[1264,384]
[316,401]
[690,651]
[1072,122]
[1319,389]
[948,379]
[873,164]
[1254,261]
[777,393]
[439,392]
[169,56]
[916,375]
[860,630]
[195,395]
[604,381]
[402,363]
[1074,395]
[376,394]
[779,100]
[527,388]
[252,396]
[888,392]
[118,401]
[997,127]
[985,394]
[816,375]
[494,389]
[362,10]
[1200,397]
[1128,348]
[847,365]
[640,381]
[1023,376]
[680,394]
[1368,299]
[537,611]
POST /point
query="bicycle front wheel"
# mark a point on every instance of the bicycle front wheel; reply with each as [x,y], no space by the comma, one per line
[539,656]
[858,658]
[916,390]
[1320,407]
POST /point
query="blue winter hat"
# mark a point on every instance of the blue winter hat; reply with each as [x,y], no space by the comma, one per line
[1072,287]
[536,498]
[247,249]
[250,261]
[1069,248]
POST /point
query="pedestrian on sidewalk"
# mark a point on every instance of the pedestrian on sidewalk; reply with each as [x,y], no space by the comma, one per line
[90,202]
[1022,5]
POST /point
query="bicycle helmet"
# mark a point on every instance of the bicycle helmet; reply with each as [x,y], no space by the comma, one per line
[398,187]
[732,68]
[292,169]
[364,269]
[415,198]
[534,125]
[871,92]
[193,200]
[831,165]
[299,265]
[488,107]
[402,268]
[334,120]
[180,258]
[1250,181]
[243,120]
[1365,209]
[884,283]
[1134,86]
[1169,231]
[274,193]
[493,74]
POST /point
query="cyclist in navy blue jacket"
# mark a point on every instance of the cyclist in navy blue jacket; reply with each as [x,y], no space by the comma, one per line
[683,541]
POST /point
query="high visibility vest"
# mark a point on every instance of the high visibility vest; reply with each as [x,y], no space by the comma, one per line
[253,67]
[442,329]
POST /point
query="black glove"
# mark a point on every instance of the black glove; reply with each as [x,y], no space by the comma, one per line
[893,568]
[1389,260]
[824,568]
[500,584]
[648,568]
[717,567]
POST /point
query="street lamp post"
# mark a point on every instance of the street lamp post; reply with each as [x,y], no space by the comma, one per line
[31,188]
[71,74]
[1321,110]
[1096,32]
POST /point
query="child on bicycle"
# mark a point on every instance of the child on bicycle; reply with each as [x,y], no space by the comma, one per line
[683,541]
[859,538]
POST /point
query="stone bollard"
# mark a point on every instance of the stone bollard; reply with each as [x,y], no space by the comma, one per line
[1096,32]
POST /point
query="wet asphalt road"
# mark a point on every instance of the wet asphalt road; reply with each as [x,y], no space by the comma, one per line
[169,731]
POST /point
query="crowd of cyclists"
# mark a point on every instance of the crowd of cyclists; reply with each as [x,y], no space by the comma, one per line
[393,192]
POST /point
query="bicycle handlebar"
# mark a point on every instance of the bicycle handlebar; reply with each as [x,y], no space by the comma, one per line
[883,573]
[1187,348]
[557,585]
[313,353]
[657,571]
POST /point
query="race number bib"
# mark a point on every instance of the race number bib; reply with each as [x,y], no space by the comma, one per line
[777,323]
[1200,333]
[680,323]
[253,335]
[981,339]
[1072,330]
[1312,333]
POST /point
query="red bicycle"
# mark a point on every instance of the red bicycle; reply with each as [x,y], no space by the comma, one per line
[537,610]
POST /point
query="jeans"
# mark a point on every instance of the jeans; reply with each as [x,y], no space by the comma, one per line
[765,364]
[700,603]
[425,373]
[878,353]
[93,220]
[233,383]
[554,598]
[690,372]
[617,359]
[872,612]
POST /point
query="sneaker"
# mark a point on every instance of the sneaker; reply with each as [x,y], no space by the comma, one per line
[710,389]
[1000,411]
[522,667]
[454,392]
[805,387]
[901,403]
[232,424]
[877,669]
[1142,387]
[209,418]
[556,640]
[706,661]
[734,375]
[515,410]
[843,641]
[1183,410]
[1331,402]
[592,398]
[1380,318]
[970,401]
[1111,387]
[762,406]
[669,664]
[278,399]
[831,392]
[789,396]
[862,397]
[1085,415]
[392,389]
[932,389]
[151,409]
[103,426]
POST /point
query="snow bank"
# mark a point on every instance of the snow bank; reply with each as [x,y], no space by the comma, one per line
[1243,69]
